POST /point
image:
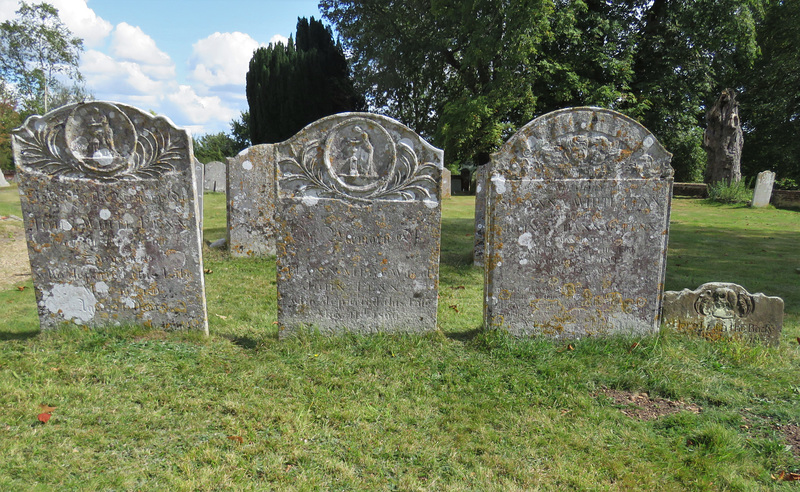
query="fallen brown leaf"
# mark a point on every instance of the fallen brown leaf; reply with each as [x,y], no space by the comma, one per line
[46,409]
[21,288]
[570,347]
[454,307]
[787,477]
[43,417]
[240,439]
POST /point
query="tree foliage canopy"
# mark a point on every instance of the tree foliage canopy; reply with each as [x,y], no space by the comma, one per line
[289,86]
[467,74]
[39,56]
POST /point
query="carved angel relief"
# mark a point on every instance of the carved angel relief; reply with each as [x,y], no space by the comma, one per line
[100,140]
[357,160]
[724,302]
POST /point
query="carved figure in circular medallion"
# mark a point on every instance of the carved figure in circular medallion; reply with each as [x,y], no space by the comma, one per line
[724,303]
[360,154]
[100,136]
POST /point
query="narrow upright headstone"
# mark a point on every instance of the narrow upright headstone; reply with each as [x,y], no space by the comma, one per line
[215,177]
[251,202]
[480,214]
[577,227]
[763,191]
[446,183]
[109,201]
[359,216]
[719,310]
[3,182]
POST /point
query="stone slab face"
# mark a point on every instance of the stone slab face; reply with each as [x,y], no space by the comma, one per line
[251,202]
[718,310]
[214,180]
[446,183]
[109,202]
[763,191]
[359,227]
[480,214]
[3,182]
[577,225]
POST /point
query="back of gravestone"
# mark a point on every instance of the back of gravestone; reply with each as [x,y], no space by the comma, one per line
[251,202]
[109,200]
[577,227]
[359,217]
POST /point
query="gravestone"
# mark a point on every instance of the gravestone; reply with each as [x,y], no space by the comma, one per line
[480,214]
[763,191]
[215,177]
[719,310]
[3,182]
[109,202]
[577,224]
[251,202]
[199,176]
[446,183]
[359,227]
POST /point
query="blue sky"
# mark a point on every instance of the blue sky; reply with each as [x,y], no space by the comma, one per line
[183,59]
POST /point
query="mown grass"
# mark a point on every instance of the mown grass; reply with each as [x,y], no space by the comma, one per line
[458,409]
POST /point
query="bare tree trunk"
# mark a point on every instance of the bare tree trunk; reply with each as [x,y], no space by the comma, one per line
[723,140]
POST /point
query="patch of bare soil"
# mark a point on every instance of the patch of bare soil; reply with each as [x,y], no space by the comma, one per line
[792,433]
[14,264]
[641,406]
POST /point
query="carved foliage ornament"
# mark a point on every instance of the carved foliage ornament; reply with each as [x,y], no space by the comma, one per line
[357,160]
[100,140]
[587,143]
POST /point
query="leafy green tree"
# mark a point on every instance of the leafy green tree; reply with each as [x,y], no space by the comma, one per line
[9,119]
[292,85]
[240,131]
[215,147]
[770,105]
[38,55]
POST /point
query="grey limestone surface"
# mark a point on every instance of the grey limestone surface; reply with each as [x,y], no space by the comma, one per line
[577,217]
[763,191]
[3,182]
[718,310]
[215,177]
[480,214]
[251,202]
[109,203]
[359,214]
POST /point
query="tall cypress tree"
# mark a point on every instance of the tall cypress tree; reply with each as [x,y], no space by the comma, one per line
[292,85]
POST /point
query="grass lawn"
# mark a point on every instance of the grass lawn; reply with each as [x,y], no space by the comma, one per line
[458,409]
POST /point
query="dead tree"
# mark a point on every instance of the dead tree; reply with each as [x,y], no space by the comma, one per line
[723,140]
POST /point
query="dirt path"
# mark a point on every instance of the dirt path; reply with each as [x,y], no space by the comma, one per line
[14,264]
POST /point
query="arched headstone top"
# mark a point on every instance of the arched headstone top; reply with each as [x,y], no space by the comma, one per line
[583,143]
[359,157]
[101,140]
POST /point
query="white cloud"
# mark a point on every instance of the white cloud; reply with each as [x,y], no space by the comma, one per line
[8,9]
[82,21]
[222,59]
[129,43]
[109,77]
[279,39]
[197,109]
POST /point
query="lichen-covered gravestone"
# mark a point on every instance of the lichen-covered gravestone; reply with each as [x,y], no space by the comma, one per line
[446,183]
[718,310]
[215,177]
[251,202]
[577,224]
[763,190]
[359,219]
[109,201]
[480,215]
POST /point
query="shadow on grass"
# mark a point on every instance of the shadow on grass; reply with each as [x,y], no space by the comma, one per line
[457,242]
[25,335]
[464,336]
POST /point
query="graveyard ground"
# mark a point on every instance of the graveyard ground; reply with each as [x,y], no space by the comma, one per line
[459,409]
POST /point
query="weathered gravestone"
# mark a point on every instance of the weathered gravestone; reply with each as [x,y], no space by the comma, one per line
[109,201]
[215,177]
[480,214]
[763,191]
[359,219]
[577,224]
[3,182]
[719,310]
[251,202]
[446,183]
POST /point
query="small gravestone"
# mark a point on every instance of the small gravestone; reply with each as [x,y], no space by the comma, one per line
[109,202]
[199,175]
[359,216]
[3,182]
[446,183]
[480,214]
[719,310]
[763,191]
[215,177]
[251,202]
[577,224]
